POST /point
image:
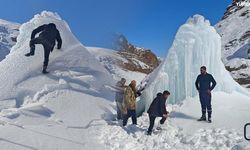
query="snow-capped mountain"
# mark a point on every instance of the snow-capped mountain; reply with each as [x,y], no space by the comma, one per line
[126,60]
[137,59]
[8,34]
[111,60]
[234,29]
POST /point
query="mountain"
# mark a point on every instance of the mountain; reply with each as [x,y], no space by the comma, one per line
[234,29]
[8,36]
[112,60]
[137,59]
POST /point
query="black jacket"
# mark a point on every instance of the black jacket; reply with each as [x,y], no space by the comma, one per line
[49,33]
[158,106]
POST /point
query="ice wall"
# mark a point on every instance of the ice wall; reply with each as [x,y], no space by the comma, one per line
[196,44]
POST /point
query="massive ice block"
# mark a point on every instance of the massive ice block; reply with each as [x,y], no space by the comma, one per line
[196,44]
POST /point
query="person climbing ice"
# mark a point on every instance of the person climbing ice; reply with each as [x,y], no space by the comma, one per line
[204,87]
[158,109]
[48,36]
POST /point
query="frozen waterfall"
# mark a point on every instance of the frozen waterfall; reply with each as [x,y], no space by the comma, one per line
[196,44]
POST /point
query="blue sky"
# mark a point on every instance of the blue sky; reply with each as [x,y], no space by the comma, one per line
[146,23]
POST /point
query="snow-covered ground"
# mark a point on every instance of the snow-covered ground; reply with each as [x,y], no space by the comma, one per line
[70,108]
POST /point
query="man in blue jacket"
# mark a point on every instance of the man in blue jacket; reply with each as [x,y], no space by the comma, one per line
[204,87]
[47,37]
[158,109]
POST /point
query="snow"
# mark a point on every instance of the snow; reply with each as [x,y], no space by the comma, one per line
[232,29]
[73,64]
[196,44]
[48,111]
[108,58]
[8,31]
[70,108]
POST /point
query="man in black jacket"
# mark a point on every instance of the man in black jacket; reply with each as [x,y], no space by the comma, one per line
[48,36]
[204,87]
[158,109]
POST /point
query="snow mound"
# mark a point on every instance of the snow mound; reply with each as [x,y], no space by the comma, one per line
[72,67]
[196,44]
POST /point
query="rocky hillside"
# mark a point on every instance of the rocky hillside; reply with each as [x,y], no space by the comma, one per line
[8,35]
[234,29]
[138,59]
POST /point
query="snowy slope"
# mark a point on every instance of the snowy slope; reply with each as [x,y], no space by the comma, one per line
[234,30]
[51,111]
[110,59]
[8,35]
[20,71]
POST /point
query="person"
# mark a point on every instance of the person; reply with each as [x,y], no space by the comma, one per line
[158,109]
[204,87]
[47,37]
[129,103]
[120,86]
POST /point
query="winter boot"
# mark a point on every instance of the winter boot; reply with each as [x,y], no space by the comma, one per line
[209,120]
[45,70]
[203,118]
[149,132]
[31,53]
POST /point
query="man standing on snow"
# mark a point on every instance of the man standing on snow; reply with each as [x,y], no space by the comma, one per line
[48,36]
[129,103]
[120,88]
[204,87]
[158,109]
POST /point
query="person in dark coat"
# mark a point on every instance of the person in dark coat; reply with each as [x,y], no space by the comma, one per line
[158,109]
[47,37]
[204,87]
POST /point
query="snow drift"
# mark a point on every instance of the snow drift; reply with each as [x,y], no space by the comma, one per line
[196,44]
[71,67]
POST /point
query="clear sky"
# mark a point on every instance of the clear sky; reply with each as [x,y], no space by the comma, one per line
[146,23]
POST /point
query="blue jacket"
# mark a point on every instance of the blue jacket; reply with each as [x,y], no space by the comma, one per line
[203,82]
[157,107]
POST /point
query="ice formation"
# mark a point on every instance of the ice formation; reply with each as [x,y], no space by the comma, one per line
[196,44]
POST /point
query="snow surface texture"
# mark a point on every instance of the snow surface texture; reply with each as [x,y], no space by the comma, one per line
[234,31]
[8,32]
[231,30]
[108,58]
[71,67]
[196,44]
